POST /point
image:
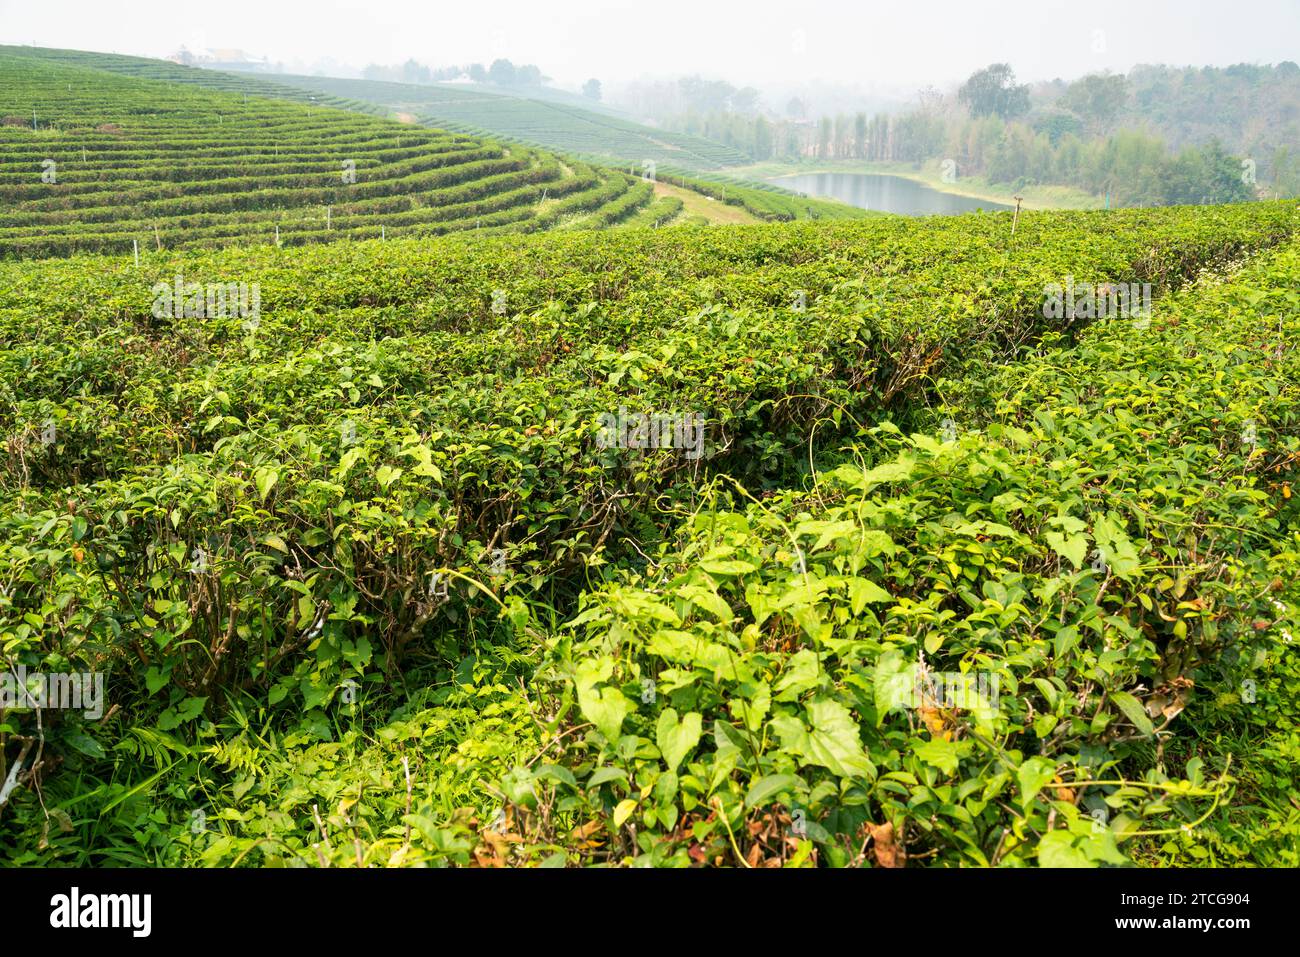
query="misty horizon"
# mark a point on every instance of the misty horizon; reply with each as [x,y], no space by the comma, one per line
[883,51]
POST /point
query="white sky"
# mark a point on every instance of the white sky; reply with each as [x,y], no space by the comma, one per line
[877,45]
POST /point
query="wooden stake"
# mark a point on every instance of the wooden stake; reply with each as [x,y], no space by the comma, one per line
[135,244]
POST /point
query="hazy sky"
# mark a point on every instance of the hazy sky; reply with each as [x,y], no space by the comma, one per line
[878,45]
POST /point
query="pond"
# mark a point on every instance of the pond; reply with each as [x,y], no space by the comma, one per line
[886,194]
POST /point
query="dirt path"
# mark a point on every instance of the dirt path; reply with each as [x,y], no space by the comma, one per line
[715,211]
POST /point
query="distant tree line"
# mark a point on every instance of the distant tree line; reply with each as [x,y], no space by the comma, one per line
[1105,133]
[501,73]
[670,101]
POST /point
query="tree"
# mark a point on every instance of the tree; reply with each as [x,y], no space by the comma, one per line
[502,72]
[1207,175]
[1286,173]
[1057,124]
[993,92]
[529,75]
[745,100]
[930,98]
[825,132]
[1097,98]
[705,96]
[591,89]
[762,139]
[413,72]
[477,73]
[860,136]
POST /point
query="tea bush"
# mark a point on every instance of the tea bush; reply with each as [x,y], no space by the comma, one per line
[747,682]
[240,519]
[108,161]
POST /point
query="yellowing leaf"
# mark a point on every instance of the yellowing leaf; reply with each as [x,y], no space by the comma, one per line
[677,739]
[1074,548]
[623,811]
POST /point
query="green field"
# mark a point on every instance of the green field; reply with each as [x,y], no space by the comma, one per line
[112,163]
[90,161]
[585,138]
[567,128]
[548,121]
[372,584]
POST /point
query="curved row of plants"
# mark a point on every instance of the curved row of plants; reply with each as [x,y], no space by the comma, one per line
[749,697]
[1113,537]
[102,162]
[227,510]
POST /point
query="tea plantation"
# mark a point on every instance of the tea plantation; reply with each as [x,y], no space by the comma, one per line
[551,123]
[385,559]
[94,162]
[594,148]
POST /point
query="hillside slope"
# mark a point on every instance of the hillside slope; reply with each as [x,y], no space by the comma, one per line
[565,127]
[586,137]
[548,122]
[94,161]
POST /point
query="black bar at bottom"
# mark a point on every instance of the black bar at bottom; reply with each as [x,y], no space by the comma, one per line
[300,907]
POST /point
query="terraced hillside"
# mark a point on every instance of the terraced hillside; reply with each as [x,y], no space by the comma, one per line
[549,123]
[588,137]
[570,129]
[689,161]
[93,161]
[145,68]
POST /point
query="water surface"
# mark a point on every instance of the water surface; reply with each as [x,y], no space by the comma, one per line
[884,193]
